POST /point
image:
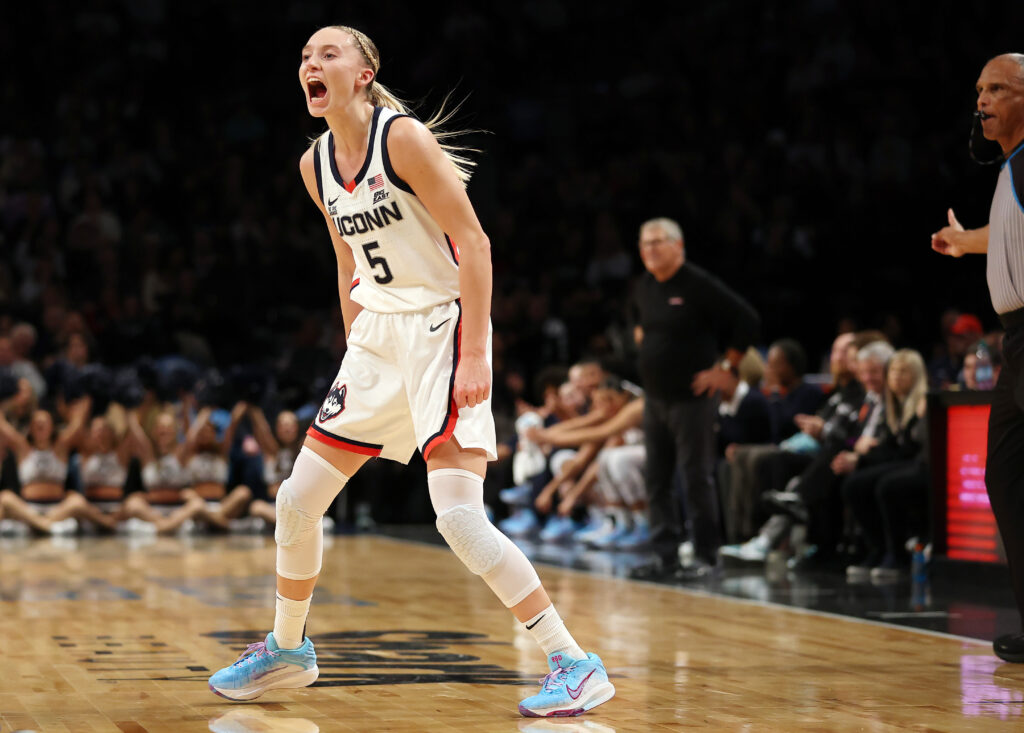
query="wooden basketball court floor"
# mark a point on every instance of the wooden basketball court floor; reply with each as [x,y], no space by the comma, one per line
[118,634]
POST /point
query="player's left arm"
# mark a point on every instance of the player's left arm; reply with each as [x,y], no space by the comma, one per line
[418,160]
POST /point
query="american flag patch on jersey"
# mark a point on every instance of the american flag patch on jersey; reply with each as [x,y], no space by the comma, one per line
[376,182]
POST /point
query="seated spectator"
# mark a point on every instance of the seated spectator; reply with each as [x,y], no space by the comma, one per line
[880,507]
[168,502]
[577,474]
[586,376]
[744,417]
[753,469]
[813,498]
[22,343]
[207,466]
[968,378]
[560,400]
[788,394]
[43,502]
[280,449]
[620,518]
[103,470]
[962,331]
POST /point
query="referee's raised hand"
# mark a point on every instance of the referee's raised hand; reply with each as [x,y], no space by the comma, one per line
[951,239]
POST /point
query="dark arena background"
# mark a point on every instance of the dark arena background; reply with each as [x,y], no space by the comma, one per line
[159,251]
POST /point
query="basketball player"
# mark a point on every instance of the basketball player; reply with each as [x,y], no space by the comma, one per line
[416,374]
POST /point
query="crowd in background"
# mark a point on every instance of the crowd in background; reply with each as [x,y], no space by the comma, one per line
[156,242]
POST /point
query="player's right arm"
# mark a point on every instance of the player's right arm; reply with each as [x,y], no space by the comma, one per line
[346,264]
[955,241]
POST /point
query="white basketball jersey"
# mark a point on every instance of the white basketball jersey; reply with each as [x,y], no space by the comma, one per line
[404,262]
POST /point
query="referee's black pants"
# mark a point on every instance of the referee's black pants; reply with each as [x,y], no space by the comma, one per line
[1004,470]
[682,433]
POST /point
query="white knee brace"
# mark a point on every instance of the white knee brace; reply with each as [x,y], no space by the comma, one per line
[301,502]
[474,540]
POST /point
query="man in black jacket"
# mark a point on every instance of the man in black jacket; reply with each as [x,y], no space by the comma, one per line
[686,319]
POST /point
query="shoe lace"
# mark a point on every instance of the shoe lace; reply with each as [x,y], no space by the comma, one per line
[255,651]
[552,680]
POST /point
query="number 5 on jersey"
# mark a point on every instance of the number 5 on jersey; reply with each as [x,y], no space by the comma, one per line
[384,278]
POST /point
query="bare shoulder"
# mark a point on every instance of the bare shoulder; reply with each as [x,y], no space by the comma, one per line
[306,161]
[408,135]
[307,167]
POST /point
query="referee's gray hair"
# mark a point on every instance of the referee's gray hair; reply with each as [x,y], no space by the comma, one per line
[877,351]
[669,226]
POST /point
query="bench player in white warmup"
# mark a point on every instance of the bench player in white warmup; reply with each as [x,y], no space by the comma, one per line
[416,374]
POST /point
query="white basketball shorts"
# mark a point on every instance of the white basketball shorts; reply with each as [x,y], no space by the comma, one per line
[394,391]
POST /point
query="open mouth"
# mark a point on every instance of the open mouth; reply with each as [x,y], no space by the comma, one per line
[316,90]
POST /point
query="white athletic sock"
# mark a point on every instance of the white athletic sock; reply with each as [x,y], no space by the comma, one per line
[549,630]
[289,621]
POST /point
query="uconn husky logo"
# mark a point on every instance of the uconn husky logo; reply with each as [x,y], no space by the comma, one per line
[334,403]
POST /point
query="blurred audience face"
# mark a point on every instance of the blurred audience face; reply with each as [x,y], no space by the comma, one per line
[661,254]
[902,378]
[77,351]
[610,400]
[586,377]
[964,331]
[571,397]
[6,352]
[871,374]
[207,438]
[23,340]
[971,371]
[778,370]
[1001,96]
[287,427]
[839,360]
[851,360]
[165,432]
[101,435]
[41,427]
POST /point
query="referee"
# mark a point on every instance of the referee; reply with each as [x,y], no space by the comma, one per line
[1001,111]
[686,318]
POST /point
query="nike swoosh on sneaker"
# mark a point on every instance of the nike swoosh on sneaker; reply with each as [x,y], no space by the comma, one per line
[530,626]
[574,694]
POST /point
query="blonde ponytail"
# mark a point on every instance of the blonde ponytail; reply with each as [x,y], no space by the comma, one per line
[381,96]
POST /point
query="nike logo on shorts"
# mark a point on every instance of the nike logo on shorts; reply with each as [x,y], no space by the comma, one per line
[434,328]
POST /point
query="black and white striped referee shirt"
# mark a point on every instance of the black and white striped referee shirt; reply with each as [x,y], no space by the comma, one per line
[1005,268]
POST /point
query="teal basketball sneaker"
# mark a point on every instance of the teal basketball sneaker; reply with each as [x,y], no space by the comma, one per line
[263,666]
[571,688]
